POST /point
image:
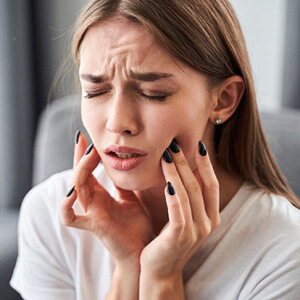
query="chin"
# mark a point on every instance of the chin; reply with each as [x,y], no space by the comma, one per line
[136,182]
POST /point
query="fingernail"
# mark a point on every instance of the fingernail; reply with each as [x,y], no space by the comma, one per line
[70,192]
[202,148]
[77,136]
[174,146]
[89,149]
[167,156]
[170,188]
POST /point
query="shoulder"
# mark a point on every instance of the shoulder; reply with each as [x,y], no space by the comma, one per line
[269,225]
[274,211]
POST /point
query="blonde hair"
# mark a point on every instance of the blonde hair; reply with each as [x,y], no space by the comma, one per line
[205,35]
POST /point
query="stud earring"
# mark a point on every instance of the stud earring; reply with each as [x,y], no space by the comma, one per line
[218,121]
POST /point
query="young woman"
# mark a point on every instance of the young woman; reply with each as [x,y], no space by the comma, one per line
[179,196]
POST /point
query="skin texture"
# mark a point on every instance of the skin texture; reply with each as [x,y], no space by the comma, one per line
[150,234]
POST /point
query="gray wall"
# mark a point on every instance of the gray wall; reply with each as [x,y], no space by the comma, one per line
[291,74]
[53,24]
[34,39]
[16,100]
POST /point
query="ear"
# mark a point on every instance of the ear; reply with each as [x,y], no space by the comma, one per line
[227,98]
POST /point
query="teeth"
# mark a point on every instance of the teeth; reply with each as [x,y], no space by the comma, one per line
[126,155]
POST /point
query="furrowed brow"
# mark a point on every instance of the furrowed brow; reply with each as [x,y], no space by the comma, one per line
[152,76]
[93,78]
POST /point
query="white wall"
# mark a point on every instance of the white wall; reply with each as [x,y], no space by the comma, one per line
[263,24]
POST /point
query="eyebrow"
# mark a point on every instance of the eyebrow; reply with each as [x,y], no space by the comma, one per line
[148,77]
[93,78]
[152,76]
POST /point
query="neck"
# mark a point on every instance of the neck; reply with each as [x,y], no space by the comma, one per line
[155,203]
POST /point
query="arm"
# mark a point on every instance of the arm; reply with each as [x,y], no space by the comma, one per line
[193,208]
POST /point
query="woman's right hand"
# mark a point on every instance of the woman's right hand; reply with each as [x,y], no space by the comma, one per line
[123,226]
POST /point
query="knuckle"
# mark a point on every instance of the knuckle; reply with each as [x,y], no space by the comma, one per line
[173,205]
[191,238]
[194,238]
[169,170]
[183,197]
[216,222]
[213,184]
[181,161]
[205,229]
[178,226]
[205,163]
[193,187]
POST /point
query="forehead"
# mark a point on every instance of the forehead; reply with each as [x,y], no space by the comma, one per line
[119,38]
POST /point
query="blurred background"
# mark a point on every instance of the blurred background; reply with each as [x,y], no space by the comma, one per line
[34,42]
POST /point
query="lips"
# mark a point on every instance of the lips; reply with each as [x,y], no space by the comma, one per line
[124,158]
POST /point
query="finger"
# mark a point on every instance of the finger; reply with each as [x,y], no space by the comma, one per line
[190,182]
[210,185]
[67,211]
[176,218]
[87,164]
[69,217]
[171,175]
[79,148]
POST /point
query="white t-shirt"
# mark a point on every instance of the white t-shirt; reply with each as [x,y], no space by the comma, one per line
[253,254]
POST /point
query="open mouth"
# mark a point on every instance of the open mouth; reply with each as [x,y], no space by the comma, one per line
[124,158]
[124,155]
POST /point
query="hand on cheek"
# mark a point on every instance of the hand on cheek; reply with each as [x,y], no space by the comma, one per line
[122,226]
[193,208]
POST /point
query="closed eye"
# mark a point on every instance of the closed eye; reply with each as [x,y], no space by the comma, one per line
[93,95]
[147,97]
[154,98]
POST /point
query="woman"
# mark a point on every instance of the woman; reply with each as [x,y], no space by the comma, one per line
[187,202]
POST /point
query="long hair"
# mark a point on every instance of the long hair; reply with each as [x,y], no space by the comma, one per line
[206,36]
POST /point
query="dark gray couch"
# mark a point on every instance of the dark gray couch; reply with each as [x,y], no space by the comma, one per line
[55,141]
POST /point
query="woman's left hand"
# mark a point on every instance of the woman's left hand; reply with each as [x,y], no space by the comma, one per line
[193,214]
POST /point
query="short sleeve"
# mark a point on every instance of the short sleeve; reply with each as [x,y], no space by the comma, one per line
[42,270]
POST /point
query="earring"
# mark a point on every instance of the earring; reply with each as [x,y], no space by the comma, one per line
[218,121]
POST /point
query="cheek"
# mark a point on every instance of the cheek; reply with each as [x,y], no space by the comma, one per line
[91,120]
[190,129]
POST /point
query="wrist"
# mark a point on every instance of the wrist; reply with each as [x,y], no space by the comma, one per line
[125,282]
[170,287]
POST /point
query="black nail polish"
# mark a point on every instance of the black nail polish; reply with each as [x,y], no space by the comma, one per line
[170,188]
[167,156]
[77,136]
[89,149]
[174,146]
[70,192]
[202,148]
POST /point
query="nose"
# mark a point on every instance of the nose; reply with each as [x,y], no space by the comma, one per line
[123,116]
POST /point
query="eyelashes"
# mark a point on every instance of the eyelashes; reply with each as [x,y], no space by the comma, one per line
[93,95]
[161,98]
[154,98]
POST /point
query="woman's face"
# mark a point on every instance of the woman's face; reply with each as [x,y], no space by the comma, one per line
[135,99]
